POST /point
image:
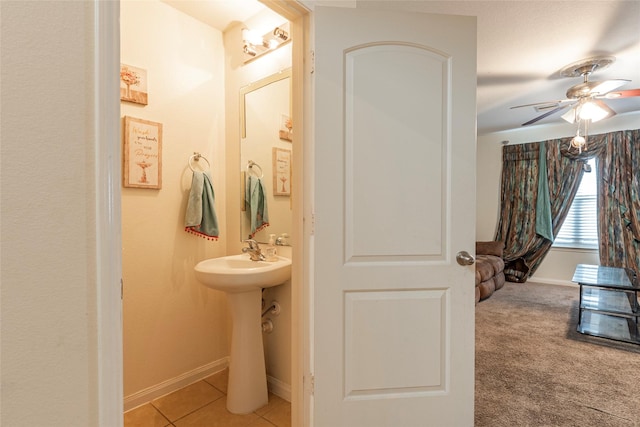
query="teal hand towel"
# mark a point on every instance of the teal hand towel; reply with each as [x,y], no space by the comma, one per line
[256,201]
[200,218]
[544,223]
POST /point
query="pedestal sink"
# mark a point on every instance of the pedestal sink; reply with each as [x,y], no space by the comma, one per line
[243,280]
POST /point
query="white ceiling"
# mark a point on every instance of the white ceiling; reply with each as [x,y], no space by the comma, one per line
[522,45]
[219,14]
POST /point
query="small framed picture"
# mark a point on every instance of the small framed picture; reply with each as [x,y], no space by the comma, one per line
[281,172]
[133,84]
[286,128]
[142,153]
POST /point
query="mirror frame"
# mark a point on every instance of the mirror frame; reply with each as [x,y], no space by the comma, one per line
[281,75]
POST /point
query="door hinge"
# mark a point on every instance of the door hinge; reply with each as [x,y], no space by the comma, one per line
[313,223]
[121,289]
[311,379]
[312,60]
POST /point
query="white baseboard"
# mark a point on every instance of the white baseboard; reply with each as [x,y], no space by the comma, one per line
[546,281]
[279,388]
[147,395]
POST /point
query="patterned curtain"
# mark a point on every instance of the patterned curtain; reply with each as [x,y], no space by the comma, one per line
[619,200]
[519,189]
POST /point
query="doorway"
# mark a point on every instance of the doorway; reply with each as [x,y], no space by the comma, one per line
[147,201]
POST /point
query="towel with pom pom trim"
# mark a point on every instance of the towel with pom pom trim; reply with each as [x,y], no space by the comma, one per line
[200,218]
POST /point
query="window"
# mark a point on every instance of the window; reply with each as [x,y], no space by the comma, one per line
[580,228]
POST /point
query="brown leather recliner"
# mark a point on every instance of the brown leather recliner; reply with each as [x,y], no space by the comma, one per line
[489,268]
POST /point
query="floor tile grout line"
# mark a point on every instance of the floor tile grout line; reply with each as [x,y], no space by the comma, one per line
[207,404]
[189,413]
[172,422]
[202,407]
[197,409]
[161,413]
[275,425]
[224,394]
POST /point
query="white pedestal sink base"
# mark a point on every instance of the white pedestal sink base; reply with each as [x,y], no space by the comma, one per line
[247,387]
[242,280]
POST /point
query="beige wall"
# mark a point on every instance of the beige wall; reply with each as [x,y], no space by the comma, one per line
[238,74]
[173,326]
[49,324]
[559,264]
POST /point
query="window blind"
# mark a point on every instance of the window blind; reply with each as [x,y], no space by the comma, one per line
[580,228]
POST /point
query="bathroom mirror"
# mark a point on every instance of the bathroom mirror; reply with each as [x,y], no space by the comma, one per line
[266,153]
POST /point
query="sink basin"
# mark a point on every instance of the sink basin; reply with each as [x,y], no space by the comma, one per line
[237,273]
[243,280]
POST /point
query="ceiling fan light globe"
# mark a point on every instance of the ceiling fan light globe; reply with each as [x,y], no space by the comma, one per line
[570,116]
[591,111]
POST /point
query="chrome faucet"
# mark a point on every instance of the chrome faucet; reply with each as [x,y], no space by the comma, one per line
[254,251]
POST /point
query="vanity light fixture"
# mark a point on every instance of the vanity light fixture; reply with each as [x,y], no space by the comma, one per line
[255,45]
[281,34]
[249,50]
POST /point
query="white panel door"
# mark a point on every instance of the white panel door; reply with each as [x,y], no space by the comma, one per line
[394,201]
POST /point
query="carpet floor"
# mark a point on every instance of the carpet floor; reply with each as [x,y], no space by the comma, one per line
[534,369]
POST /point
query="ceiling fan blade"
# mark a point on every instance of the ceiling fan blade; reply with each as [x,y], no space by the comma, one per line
[594,88]
[622,94]
[607,86]
[559,101]
[548,113]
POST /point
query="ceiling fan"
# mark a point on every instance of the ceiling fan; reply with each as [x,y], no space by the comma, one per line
[585,98]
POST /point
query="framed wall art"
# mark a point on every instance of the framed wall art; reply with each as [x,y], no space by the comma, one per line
[142,153]
[133,84]
[281,172]
[286,128]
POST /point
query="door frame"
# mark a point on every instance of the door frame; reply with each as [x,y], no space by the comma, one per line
[107,122]
[298,15]
[108,246]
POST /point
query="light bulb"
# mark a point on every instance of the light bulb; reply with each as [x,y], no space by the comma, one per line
[272,44]
[252,37]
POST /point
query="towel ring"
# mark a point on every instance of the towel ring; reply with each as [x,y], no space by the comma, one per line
[252,164]
[196,157]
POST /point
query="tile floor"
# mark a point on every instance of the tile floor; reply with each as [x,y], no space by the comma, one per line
[203,404]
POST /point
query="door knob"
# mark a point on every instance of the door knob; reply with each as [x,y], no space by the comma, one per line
[464,258]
